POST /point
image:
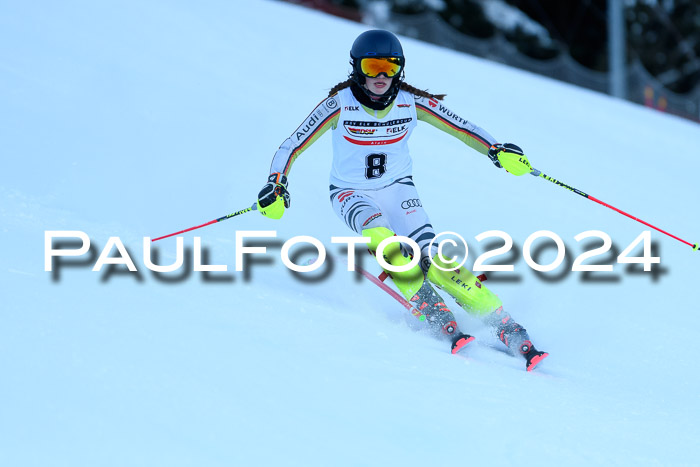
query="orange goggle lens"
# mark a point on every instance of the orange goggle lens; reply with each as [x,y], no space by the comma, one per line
[373,67]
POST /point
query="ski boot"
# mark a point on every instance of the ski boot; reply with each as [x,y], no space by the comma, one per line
[439,317]
[516,338]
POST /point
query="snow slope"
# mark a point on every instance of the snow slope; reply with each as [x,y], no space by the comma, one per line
[136,119]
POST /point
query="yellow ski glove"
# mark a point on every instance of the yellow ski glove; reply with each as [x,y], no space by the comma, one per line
[510,157]
[274,197]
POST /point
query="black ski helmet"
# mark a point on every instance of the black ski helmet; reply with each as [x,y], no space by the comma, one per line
[377,43]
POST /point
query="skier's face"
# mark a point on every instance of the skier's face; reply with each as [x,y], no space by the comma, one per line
[378,85]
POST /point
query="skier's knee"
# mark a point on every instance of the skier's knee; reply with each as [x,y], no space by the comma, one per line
[408,281]
[377,235]
[392,252]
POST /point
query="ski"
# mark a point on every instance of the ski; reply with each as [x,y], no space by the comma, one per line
[533,357]
[379,282]
[458,342]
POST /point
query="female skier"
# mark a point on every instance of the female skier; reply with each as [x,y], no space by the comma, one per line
[372,115]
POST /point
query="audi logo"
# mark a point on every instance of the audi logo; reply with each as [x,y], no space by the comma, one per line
[411,203]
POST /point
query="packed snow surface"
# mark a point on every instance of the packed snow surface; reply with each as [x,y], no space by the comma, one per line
[137,119]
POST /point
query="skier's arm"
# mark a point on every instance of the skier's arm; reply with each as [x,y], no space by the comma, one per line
[323,117]
[507,156]
[274,198]
[435,113]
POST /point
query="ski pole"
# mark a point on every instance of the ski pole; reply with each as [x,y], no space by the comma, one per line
[233,214]
[537,173]
[379,282]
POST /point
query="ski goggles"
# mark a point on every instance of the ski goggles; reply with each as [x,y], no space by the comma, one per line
[373,67]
